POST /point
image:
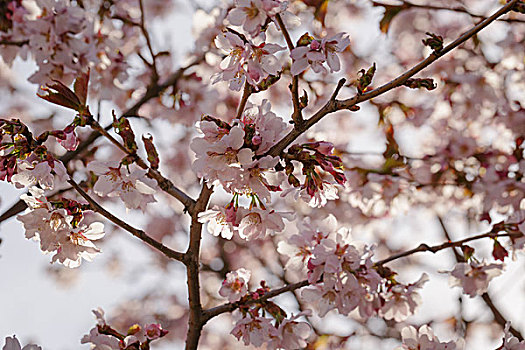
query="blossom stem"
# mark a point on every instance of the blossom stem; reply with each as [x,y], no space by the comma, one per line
[242,103]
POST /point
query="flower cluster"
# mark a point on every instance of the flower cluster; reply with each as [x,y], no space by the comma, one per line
[132,187]
[246,61]
[314,156]
[233,156]
[64,40]
[343,277]
[424,338]
[103,336]
[313,53]
[277,332]
[253,14]
[59,229]
[24,161]
[248,223]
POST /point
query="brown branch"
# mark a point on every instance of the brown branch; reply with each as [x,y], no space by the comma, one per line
[196,320]
[297,116]
[229,307]
[151,92]
[498,316]
[13,43]
[436,248]
[460,9]
[242,103]
[145,32]
[170,253]
[336,105]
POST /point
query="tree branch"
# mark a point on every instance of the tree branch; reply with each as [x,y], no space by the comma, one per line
[460,9]
[229,307]
[196,321]
[336,105]
[172,254]
[297,115]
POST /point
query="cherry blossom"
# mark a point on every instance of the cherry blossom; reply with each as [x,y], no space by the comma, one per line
[47,173]
[510,342]
[57,233]
[402,301]
[314,53]
[252,14]
[11,343]
[254,330]
[245,61]
[292,334]
[222,222]
[235,286]
[424,339]
[133,187]
[474,277]
[257,223]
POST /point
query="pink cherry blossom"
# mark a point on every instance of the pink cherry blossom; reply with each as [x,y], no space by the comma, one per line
[292,334]
[254,330]
[235,286]
[317,52]
[97,340]
[510,342]
[245,61]
[424,339]
[222,222]
[402,301]
[252,14]
[11,343]
[474,277]
[48,173]
[133,188]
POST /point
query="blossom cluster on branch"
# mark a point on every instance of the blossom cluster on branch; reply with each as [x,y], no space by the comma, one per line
[243,149]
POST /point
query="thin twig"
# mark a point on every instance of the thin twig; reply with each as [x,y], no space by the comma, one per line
[14,43]
[297,116]
[337,105]
[145,32]
[409,5]
[170,253]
